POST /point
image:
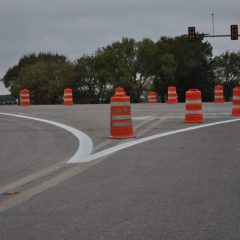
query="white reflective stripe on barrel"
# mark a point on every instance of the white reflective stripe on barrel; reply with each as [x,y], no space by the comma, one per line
[120,103]
[193,101]
[67,99]
[236,106]
[121,124]
[24,100]
[67,94]
[24,95]
[193,112]
[236,97]
[171,92]
[218,91]
[219,97]
[121,117]
[172,97]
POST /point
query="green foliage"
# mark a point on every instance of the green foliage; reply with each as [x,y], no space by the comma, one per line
[164,67]
[88,82]
[183,64]
[128,64]
[137,66]
[13,72]
[227,71]
[46,81]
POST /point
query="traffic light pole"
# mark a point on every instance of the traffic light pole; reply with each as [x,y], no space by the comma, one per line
[192,35]
[213,36]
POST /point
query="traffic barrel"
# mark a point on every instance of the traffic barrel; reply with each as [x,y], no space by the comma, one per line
[172,95]
[236,102]
[218,94]
[193,106]
[24,97]
[121,120]
[68,98]
[152,97]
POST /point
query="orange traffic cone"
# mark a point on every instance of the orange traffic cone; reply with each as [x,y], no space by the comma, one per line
[24,97]
[152,97]
[236,102]
[67,98]
[121,120]
[193,107]
[172,95]
[218,94]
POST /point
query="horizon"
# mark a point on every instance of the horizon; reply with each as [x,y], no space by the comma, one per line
[76,28]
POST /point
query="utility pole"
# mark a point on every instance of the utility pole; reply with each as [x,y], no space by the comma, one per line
[212,24]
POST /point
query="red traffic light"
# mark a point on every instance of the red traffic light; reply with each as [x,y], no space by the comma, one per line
[234,32]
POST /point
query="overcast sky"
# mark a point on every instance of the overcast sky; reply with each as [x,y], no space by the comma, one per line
[77,27]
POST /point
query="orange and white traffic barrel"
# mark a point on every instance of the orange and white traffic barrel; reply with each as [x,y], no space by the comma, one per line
[236,102]
[172,95]
[193,106]
[24,97]
[68,98]
[152,97]
[218,94]
[121,120]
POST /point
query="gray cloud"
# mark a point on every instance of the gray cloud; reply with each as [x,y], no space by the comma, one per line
[77,27]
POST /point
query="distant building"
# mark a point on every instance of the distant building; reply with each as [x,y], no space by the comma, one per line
[7,99]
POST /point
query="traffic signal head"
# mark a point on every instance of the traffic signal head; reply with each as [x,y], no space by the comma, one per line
[234,32]
[191,34]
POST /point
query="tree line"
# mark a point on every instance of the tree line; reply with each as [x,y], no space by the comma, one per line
[137,66]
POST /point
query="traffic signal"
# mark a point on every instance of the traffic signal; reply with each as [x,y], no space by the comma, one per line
[234,32]
[191,34]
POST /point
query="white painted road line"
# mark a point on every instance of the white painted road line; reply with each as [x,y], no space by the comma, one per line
[147,118]
[142,140]
[25,194]
[85,143]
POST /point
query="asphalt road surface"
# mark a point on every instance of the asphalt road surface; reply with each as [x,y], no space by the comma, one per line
[184,185]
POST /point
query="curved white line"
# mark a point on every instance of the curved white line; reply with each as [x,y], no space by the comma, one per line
[85,143]
[141,140]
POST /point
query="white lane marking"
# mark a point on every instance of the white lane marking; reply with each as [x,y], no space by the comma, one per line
[148,118]
[142,140]
[85,143]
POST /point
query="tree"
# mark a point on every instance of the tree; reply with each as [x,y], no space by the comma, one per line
[185,65]
[45,80]
[193,66]
[29,59]
[137,66]
[164,68]
[87,82]
[227,71]
[128,64]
